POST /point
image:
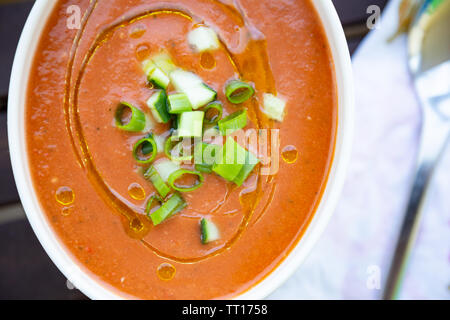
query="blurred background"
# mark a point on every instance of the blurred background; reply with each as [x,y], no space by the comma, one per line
[26,272]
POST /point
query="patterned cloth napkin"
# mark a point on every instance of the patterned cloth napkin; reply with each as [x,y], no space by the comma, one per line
[351,259]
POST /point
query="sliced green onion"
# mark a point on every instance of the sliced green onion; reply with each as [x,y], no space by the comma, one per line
[165,168]
[213,112]
[203,168]
[169,146]
[148,148]
[250,163]
[234,163]
[178,103]
[191,124]
[181,205]
[174,149]
[183,188]
[169,208]
[143,148]
[211,133]
[238,91]
[228,171]
[174,123]
[230,160]
[158,106]
[158,182]
[160,141]
[233,122]
[159,78]
[135,121]
[274,107]
[150,204]
[209,231]
[205,156]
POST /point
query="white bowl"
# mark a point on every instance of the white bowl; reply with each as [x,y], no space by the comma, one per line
[87,283]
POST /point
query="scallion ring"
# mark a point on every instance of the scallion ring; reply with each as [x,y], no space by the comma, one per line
[213,112]
[169,208]
[145,150]
[155,178]
[172,181]
[174,150]
[151,205]
[233,122]
[129,118]
[238,91]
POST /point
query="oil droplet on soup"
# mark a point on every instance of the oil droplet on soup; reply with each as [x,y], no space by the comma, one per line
[137,32]
[136,225]
[136,191]
[142,51]
[65,196]
[166,271]
[290,154]
[67,211]
[207,60]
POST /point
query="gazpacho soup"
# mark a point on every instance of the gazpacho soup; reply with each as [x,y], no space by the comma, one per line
[180,148]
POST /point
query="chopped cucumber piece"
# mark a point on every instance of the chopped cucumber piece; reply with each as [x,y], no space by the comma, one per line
[159,78]
[179,103]
[183,80]
[198,93]
[190,124]
[164,62]
[209,231]
[148,66]
[203,39]
[274,107]
[201,95]
[158,106]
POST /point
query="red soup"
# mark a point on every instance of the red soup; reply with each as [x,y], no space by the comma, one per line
[180,148]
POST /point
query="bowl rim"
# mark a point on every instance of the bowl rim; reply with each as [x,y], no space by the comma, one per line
[87,282]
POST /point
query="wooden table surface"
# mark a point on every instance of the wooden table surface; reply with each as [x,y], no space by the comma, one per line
[26,272]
